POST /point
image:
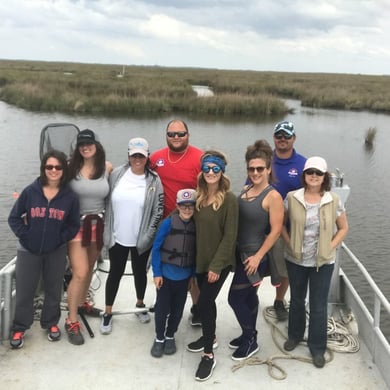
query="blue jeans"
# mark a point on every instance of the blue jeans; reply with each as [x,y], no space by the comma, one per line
[319,282]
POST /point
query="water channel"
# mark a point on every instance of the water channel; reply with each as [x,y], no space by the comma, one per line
[338,136]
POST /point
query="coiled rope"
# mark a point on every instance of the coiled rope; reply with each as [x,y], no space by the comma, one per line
[340,339]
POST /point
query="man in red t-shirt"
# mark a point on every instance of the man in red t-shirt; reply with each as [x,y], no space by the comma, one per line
[178,166]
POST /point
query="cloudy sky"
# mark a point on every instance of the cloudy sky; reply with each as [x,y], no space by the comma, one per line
[341,36]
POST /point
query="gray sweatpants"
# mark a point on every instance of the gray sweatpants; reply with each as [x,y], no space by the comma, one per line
[29,269]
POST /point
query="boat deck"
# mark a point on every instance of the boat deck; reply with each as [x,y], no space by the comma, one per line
[122,359]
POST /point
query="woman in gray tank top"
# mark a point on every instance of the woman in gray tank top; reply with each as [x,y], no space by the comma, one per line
[89,173]
[259,226]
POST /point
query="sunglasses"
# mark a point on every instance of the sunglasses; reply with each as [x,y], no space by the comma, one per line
[282,134]
[312,171]
[207,169]
[56,167]
[256,169]
[173,134]
[186,206]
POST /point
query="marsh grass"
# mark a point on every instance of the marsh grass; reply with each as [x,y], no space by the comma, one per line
[95,88]
[370,136]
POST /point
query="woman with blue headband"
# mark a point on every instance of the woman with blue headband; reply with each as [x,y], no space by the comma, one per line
[216,221]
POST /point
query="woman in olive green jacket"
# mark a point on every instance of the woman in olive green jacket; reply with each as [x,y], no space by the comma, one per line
[216,221]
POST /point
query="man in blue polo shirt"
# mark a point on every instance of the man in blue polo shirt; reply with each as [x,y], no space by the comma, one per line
[287,168]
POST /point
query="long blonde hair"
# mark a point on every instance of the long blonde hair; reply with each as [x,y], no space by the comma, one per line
[223,185]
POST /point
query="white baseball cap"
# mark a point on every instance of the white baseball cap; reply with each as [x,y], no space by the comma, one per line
[138,145]
[317,163]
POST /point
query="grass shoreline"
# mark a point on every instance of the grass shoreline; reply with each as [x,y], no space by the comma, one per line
[152,90]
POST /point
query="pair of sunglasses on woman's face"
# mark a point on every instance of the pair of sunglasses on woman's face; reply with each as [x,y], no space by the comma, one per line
[50,167]
[208,168]
[312,171]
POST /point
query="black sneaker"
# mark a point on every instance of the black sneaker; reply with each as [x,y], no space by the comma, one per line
[54,333]
[319,361]
[245,350]
[235,343]
[157,349]
[75,337]
[280,310]
[169,346]
[290,345]
[198,345]
[205,368]
[17,340]
[195,319]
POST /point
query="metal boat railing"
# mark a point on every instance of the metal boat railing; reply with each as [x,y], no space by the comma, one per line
[7,298]
[342,291]
[369,324]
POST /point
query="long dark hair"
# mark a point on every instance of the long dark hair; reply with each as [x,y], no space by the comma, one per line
[77,161]
[61,157]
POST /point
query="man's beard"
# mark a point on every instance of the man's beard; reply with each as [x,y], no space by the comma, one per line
[178,149]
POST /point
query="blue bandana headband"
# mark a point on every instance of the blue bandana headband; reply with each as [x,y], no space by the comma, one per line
[215,160]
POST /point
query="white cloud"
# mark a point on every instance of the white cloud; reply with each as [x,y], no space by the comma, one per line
[298,35]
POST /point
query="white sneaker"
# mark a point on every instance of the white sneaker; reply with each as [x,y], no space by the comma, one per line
[143,317]
[106,324]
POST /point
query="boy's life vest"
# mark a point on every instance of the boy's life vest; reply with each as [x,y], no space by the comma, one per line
[179,245]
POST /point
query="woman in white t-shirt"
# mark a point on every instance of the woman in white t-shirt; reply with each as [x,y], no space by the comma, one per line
[134,208]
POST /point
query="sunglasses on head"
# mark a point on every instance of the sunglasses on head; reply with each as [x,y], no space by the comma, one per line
[51,167]
[207,169]
[256,169]
[173,134]
[282,134]
[312,171]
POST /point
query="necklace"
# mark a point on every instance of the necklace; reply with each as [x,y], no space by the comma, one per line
[179,159]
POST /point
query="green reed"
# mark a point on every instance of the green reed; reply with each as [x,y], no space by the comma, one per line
[106,89]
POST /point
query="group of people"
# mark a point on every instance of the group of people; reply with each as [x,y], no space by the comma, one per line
[285,223]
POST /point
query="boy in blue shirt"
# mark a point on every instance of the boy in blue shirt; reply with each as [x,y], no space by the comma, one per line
[173,265]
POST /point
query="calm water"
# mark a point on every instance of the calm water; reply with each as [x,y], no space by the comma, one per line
[338,136]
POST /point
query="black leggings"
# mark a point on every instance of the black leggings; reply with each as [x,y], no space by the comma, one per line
[207,307]
[118,255]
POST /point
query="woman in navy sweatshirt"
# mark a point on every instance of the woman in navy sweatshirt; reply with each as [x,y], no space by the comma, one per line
[44,218]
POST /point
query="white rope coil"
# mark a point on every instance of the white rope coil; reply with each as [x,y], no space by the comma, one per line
[340,339]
